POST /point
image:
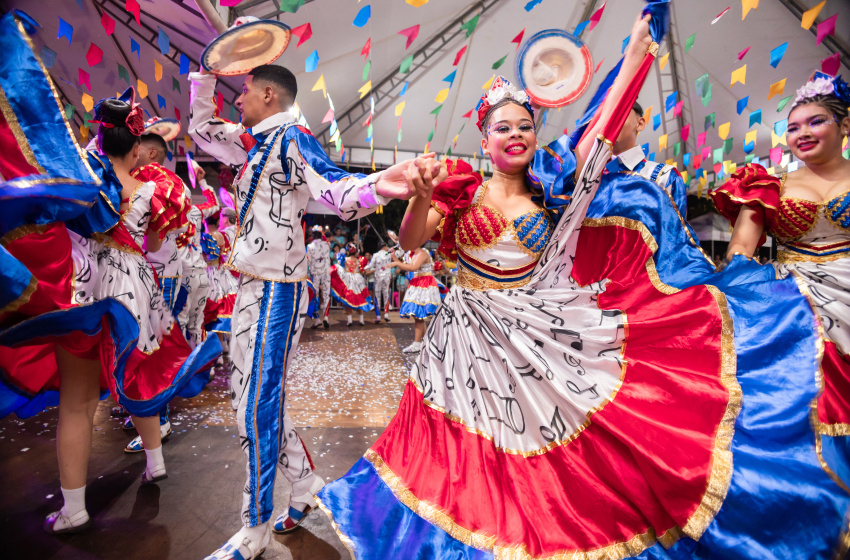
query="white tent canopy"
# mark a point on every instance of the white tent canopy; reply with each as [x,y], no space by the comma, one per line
[339,44]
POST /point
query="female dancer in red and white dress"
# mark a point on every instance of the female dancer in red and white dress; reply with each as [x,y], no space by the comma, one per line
[807,211]
[348,285]
[422,298]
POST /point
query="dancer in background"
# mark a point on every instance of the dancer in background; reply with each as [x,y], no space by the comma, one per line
[196,284]
[319,266]
[269,254]
[422,298]
[381,266]
[349,286]
[85,314]
[806,211]
[591,387]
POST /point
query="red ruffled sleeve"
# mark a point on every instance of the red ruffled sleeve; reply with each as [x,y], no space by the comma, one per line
[451,196]
[169,207]
[749,186]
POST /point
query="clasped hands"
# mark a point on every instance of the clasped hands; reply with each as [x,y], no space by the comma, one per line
[416,177]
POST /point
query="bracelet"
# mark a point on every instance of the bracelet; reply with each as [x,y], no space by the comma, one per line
[653,49]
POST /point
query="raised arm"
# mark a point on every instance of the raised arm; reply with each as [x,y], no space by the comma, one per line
[415,264]
[216,136]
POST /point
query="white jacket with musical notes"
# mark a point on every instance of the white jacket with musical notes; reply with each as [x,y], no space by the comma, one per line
[270,241]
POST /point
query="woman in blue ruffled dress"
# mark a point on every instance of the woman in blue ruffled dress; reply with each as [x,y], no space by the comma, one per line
[590,387]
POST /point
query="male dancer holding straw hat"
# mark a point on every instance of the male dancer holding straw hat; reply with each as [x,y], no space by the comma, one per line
[282,167]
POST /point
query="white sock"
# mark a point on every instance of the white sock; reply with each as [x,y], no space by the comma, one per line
[75,500]
[155,459]
[254,534]
[349,317]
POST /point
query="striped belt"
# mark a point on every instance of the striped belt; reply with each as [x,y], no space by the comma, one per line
[477,275]
[799,252]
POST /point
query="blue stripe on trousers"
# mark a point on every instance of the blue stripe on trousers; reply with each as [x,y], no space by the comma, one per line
[276,328]
[170,287]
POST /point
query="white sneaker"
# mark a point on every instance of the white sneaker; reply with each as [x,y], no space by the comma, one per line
[413,348]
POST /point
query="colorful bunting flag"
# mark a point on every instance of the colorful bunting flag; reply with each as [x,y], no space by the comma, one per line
[417,3]
[774,139]
[531,5]
[779,127]
[728,144]
[404,89]
[597,15]
[366,68]
[755,117]
[320,85]
[65,30]
[748,5]
[470,25]
[831,64]
[163,42]
[662,142]
[365,89]
[136,48]
[689,42]
[404,68]
[329,116]
[685,132]
[290,6]
[123,74]
[580,28]
[498,63]
[133,7]
[743,53]
[777,88]
[141,89]
[107,23]
[777,54]
[701,139]
[709,121]
[157,70]
[459,55]
[88,102]
[518,38]
[656,122]
[303,32]
[69,111]
[175,85]
[83,78]
[161,101]
[720,15]
[739,75]
[742,104]
[662,62]
[184,64]
[670,102]
[363,16]
[411,33]
[312,62]
[809,16]
[488,83]
[782,103]
[366,48]
[826,28]
[723,130]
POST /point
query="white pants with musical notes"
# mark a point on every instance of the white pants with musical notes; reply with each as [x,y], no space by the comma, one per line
[197,286]
[267,321]
[382,294]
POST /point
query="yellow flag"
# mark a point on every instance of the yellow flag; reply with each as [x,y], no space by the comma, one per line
[662,142]
[417,3]
[188,141]
[647,113]
[454,140]
[88,102]
[662,62]
[774,139]
[739,75]
[776,89]
[489,82]
[748,5]
[733,167]
[399,108]
[771,170]
[335,135]
[723,130]
[84,135]
[685,177]
[444,93]
[810,15]
[751,137]
[320,85]
[157,70]
[141,89]
[671,161]
[365,88]
[699,190]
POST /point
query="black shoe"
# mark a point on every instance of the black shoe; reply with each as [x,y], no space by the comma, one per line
[327,325]
[315,326]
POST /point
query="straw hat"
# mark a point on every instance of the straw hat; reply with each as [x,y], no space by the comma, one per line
[250,42]
[554,67]
[167,128]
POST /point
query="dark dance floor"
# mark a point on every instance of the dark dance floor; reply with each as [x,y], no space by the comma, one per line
[344,386]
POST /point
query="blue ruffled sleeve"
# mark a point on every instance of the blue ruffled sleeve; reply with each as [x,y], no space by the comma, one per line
[103,214]
[552,174]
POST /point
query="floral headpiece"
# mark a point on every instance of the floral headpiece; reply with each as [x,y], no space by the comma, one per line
[824,84]
[501,89]
[135,120]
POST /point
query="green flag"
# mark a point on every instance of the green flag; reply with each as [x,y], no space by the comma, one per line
[449,152]
[718,155]
[399,136]
[175,85]
[437,110]
[499,62]
[783,102]
[709,121]
[677,149]
[749,158]
[727,145]
[123,74]
[290,6]
[69,112]
[689,42]
[406,64]
[470,25]
[366,69]
[431,136]
[234,115]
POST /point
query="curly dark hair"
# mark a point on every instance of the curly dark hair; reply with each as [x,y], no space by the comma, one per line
[116,140]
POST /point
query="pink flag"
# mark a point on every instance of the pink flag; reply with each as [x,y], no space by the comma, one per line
[743,53]
[697,161]
[831,64]
[701,139]
[95,55]
[366,48]
[329,116]
[83,78]
[458,55]
[686,131]
[706,152]
[468,115]
[678,110]
[177,113]
[230,3]
[720,15]
[367,121]
[776,155]
[518,38]
[133,8]
[108,24]
[826,27]
[303,32]
[411,33]
[594,19]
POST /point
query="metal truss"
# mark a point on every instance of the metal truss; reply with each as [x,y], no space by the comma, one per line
[243,8]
